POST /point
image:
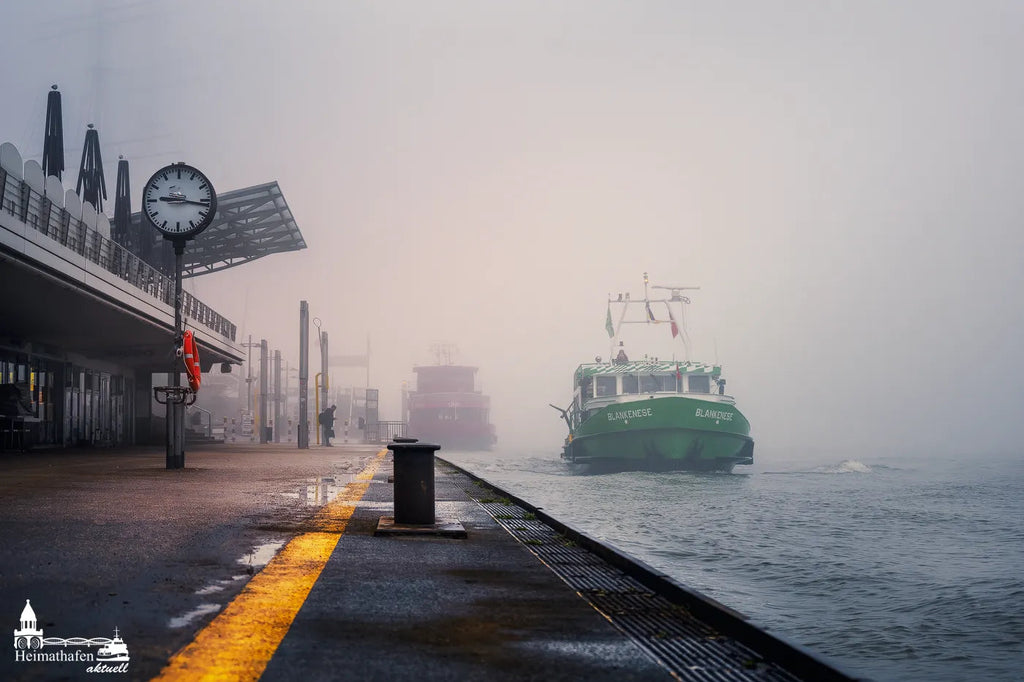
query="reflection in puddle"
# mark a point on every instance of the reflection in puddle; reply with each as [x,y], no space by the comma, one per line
[261,555]
[321,490]
[201,610]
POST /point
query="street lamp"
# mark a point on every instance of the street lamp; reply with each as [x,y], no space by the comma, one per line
[248,378]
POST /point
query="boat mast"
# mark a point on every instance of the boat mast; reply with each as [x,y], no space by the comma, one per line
[648,314]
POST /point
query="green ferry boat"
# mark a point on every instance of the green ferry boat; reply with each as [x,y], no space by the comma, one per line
[653,414]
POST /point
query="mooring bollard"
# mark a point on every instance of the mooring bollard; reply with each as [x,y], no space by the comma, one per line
[414,481]
[404,439]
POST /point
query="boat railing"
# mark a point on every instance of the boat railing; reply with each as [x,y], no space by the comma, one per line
[600,401]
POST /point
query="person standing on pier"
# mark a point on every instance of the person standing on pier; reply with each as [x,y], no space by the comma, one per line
[327,422]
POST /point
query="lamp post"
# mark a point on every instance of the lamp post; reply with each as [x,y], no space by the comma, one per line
[277,396]
[264,389]
[321,402]
[303,433]
[248,378]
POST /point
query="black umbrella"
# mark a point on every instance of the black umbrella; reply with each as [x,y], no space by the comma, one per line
[53,140]
[91,185]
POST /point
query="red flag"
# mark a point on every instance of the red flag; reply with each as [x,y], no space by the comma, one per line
[675,327]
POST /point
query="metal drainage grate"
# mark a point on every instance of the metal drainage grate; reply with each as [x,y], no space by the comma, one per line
[688,648]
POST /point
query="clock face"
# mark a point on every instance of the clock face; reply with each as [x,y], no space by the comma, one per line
[179,201]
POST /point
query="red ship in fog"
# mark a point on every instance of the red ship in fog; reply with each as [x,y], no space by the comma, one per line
[446,408]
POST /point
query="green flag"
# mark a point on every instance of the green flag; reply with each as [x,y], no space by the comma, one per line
[608,322]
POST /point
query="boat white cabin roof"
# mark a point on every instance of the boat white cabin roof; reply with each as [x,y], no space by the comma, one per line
[647,367]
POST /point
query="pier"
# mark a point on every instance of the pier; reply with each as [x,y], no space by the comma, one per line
[264,561]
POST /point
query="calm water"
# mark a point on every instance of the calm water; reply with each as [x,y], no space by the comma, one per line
[894,570]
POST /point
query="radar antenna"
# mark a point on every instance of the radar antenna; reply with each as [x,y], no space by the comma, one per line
[675,295]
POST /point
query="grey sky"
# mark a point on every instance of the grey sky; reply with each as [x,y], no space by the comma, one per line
[839,178]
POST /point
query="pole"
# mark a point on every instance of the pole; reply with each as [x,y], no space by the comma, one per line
[277,396]
[176,409]
[248,378]
[325,380]
[263,390]
[303,434]
[317,410]
[285,403]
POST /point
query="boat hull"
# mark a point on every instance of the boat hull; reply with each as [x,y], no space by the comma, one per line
[662,434]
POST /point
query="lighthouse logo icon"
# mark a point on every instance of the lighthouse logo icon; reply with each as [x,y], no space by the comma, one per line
[28,636]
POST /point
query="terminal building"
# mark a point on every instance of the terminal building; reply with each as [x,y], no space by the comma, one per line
[86,304]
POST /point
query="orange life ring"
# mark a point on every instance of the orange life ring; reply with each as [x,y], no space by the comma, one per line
[190,353]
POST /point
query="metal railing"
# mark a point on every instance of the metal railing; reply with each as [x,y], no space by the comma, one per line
[47,218]
[208,430]
[383,432]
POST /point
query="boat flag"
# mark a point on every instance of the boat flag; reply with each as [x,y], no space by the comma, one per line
[650,313]
[672,319]
[608,322]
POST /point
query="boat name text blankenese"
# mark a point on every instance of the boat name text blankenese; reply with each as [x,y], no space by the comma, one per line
[629,414]
[714,414]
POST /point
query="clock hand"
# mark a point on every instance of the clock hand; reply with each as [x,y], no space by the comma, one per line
[180,200]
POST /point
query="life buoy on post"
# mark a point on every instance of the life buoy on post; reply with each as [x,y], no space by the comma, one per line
[190,353]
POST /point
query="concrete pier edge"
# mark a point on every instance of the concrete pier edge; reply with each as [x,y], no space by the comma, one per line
[793,657]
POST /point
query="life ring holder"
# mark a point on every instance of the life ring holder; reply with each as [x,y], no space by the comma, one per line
[190,355]
[174,394]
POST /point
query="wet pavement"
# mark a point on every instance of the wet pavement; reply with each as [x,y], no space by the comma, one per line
[99,539]
[105,539]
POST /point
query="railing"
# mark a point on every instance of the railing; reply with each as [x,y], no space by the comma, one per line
[42,215]
[209,419]
[382,432]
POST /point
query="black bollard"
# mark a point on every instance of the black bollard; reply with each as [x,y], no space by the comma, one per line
[414,482]
[404,439]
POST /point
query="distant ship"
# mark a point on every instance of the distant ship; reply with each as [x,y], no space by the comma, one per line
[651,414]
[446,408]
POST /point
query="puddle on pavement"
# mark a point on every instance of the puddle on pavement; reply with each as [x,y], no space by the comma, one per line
[220,585]
[320,491]
[198,612]
[261,555]
[257,558]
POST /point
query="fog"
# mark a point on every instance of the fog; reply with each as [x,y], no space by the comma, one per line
[840,180]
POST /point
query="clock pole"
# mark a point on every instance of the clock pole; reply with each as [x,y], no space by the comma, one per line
[180,202]
[176,408]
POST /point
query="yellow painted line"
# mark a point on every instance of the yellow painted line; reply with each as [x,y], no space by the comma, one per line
[239,642]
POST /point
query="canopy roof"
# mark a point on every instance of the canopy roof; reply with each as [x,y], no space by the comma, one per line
[249,223]
[649,367]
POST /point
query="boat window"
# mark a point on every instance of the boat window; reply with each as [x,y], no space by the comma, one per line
[649,383]
[585,388]
[668,383]
[630,384]
[699,384]
[605,386]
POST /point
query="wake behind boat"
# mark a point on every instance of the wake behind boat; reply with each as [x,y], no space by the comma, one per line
[653,414]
